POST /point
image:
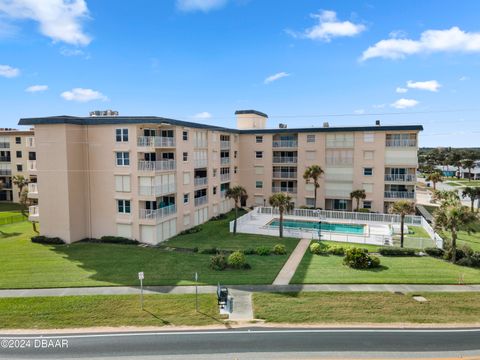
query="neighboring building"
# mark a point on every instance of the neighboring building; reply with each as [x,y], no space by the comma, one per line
[17,157]
[149,178]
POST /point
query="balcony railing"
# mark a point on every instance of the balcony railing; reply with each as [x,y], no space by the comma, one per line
[201,144]
[224,144]
[400,194]
[401,143]
[400,177]
[277,189]
[200,163]
[157,214]
[201,200]
[33,188]
[32,165]
[223,194]
[285,174]
[200,181]
[5,172]
[161,165]
[339,161]
[285,143]
[155,141]
[224,177]
[33,212]
[4,145]
[157,190]
[30,142]
[285,159]
[225,161]
[5,158]
[340,144]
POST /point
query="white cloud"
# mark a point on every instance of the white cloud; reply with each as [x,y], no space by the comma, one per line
[8,71]
[329,27]
[463,78]
[359,111]
[450,40]
[379,106]
[275,77]
[404,103]
[431,85]
[36,88]
[203,115]
[60,20]
[83,95]
[401,90]
[202,5]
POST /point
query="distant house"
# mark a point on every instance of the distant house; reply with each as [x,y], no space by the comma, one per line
[448,170]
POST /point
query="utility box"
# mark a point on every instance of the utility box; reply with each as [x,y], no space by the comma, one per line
[222,295]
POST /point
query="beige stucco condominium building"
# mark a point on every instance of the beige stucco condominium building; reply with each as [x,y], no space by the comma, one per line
[149,178]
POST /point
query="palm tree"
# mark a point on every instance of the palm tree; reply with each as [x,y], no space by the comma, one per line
[313,173]
[357,195]
[284,203]
[468,164]
[473,193]
[402,208]
[455,159]
[20,181]
[434,177]
[453,216]
[237,193]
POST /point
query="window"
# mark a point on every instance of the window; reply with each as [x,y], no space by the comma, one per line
[258,154]
[258,170]
[123,158]
[186,198]
[214,172]
[259,184]
[19,154]
[185,156]
[235,154]
[19,168]
[122,183]
[18,140]
[310,201]
[368,188]
[185,136]
[368,137]
[310,138]
[214,190]
[367,204]
[123,206]
[259,139]
[368,155]
[121,135]
[368,171]
[32,155]
[235,170]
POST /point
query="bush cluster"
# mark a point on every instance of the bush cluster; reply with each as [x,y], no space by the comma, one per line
[335,250]
[192,230]
[211,251]
[218,262]
[279,249]
[40,239]
[219,217]
[111,240]
[236,260]
[357,258]
[465,256]
[263,251]
[319,248]
[435,252]
[396,251]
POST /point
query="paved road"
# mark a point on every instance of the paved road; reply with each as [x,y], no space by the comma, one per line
[263,342]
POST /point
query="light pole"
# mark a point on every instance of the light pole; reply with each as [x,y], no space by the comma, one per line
[320,230]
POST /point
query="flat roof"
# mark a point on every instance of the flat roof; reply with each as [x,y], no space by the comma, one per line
[112,120]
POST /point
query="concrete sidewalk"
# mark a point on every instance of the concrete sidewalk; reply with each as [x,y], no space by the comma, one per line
[289,268]
[210,289]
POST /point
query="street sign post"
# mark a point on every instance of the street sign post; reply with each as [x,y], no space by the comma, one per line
[196,291]
[141,276]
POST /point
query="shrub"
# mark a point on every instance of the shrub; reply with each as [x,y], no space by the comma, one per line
[250,251]
[396,251]
[263,251]
[279,249]
[117,240]
[357,258]
[336,250]
[466,261]
[318,248]
[40,239]
[195,249]
[211,251]
[237,260]
[448,254]
[435,252]
[192,230]
[219,217]
[363,210]
[218,262]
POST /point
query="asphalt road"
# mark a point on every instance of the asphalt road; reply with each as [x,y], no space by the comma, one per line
[263,342]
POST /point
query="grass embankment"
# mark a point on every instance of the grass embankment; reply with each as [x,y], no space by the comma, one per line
[361,308]
[10,206]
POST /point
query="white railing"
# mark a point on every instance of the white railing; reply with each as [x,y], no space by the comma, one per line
[340,144]
[156,214]
[285,143]
[339,161]
[400,194]
[33,210]
[161,165]
[285,174]
[199,163]
[225,177]
[30,142]
[32,165]
[401,143]
[277,189]
[285,159]
[223,194]
[200,181]
[201,200]
[225,161]
[400,177]
[33,188]
[157,190]
[5,158]
[201,144]
[5,171]
[431,232]
[224,144]
[338,177]
[4,145]
[155,141]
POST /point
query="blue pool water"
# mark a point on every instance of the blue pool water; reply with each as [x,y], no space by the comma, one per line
[340,228]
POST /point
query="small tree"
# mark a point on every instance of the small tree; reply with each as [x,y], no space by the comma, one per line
[313,173]
[20,181]
[473,193]
[283,202]
[402,208]
[435,178]
[357,195]
[237,193]
[468,164]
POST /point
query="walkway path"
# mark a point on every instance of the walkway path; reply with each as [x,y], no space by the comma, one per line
[289,268]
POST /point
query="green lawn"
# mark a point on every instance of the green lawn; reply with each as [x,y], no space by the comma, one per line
[24,264]
[394,270]
[362,308]
[88,311]
[417,238]
[9,206]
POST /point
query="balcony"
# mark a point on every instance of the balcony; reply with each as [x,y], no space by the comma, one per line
[285,143]
[5,172]
[401,143]
[200,163]
[157,190]
[278,189]
[201,144]
[284,175]
[225,177]
[156,166]
[224,145]
[340,144]
[223,194]
[285,159]
[156,141]
[33,213]
[33,190]
[4,145]
[32,165]
[5,158]
[400,177]
[225,161]
[201,200]
[158,214]
[399,194]
[200,181]
[30,142]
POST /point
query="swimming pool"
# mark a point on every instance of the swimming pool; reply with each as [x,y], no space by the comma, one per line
[357,229]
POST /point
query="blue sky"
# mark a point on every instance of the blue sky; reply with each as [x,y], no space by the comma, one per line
[301,62]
